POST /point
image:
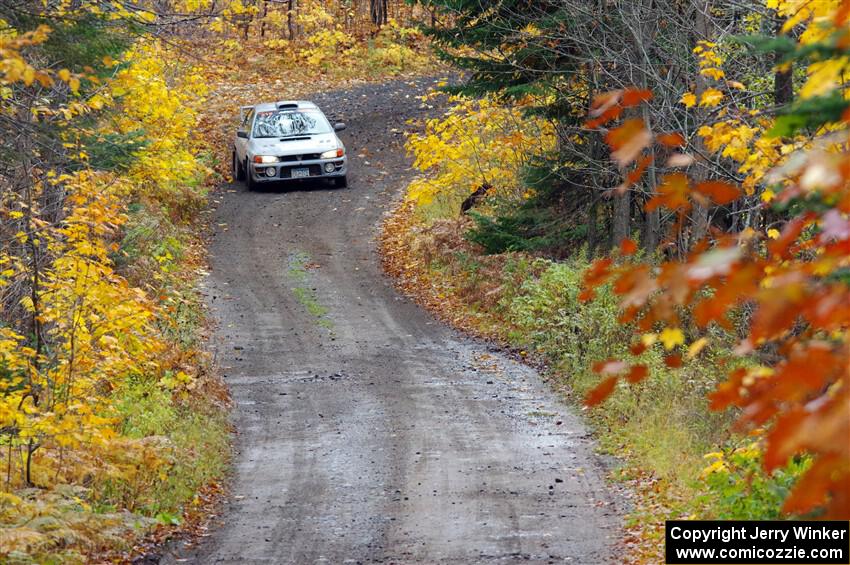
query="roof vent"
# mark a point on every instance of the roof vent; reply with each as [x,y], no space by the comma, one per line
[287,105]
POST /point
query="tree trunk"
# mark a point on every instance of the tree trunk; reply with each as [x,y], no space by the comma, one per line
[378,12]
[783,80]
[702,29]
[651,231]
[621,217]
[290,18]
[593,227]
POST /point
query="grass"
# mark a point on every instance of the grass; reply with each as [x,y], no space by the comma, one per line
[663,424]
[194,434]
[186,419]
[297,271]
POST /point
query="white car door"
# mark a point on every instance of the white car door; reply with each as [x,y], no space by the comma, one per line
[243,131]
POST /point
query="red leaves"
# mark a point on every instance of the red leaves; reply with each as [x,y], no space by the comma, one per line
[783,247]
[720,192]
[672,193]
[842,14]
[777,311]
[800,309]
[628,247]
[829,307]
[605,107]
[609,105]
[599,393]
[740,283]
[628,140]
[603,102]
[791,284]
[637,373]
[611,367]
[586,295]
[671,140]
[823,428]
[635,285]
[812,490]
[673,361]
[727,393]
[634,96]
[597,274]
[635,174]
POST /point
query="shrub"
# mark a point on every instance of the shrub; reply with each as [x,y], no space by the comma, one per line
[737,488]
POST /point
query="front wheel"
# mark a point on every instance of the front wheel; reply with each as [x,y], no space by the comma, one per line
[341,182]
[238,172]
[249,178]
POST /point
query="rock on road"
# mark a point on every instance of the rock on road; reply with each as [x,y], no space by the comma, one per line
[367,431]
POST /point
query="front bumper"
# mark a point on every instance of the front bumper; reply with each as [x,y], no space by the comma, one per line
[287,170]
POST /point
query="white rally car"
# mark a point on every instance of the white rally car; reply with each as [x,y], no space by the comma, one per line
[289,140]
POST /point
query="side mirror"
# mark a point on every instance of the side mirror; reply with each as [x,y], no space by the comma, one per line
[339,126]
[242,133]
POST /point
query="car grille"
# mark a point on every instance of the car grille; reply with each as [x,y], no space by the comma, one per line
[286,172]
[305,157]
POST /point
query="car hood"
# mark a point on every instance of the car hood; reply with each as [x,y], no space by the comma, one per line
[295,146]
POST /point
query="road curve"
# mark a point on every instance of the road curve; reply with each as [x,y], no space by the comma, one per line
[367,431]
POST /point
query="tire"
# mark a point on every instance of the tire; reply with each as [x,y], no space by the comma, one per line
[238,171]
[249,179]
[341,182]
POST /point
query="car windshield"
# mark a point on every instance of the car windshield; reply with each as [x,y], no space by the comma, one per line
[289,123]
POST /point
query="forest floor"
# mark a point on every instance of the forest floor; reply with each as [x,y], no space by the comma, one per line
[367,430]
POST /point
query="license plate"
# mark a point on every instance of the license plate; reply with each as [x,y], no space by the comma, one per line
[300,173]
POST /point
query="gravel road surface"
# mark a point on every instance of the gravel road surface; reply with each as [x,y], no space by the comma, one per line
[368,432]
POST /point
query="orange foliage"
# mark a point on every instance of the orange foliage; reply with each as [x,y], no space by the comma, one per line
[794,283]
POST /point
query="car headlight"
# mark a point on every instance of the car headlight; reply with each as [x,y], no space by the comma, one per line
[333,153]
[265,159]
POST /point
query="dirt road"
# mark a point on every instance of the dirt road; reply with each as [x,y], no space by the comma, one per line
[367,431]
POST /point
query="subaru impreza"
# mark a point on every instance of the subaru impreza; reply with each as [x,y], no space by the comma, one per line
[287,141]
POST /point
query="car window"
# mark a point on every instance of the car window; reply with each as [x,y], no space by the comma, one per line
[288,123]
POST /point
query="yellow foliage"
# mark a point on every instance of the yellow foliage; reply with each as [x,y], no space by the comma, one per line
[166,112]
[817,14]
[328,46]
[710,97]
[745,140]
[825,76]
[315,19]
[478,142]
[97,331]
[671,337]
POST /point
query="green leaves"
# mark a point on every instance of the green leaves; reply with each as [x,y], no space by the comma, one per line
[809,114]
[111,151]
[510,47]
